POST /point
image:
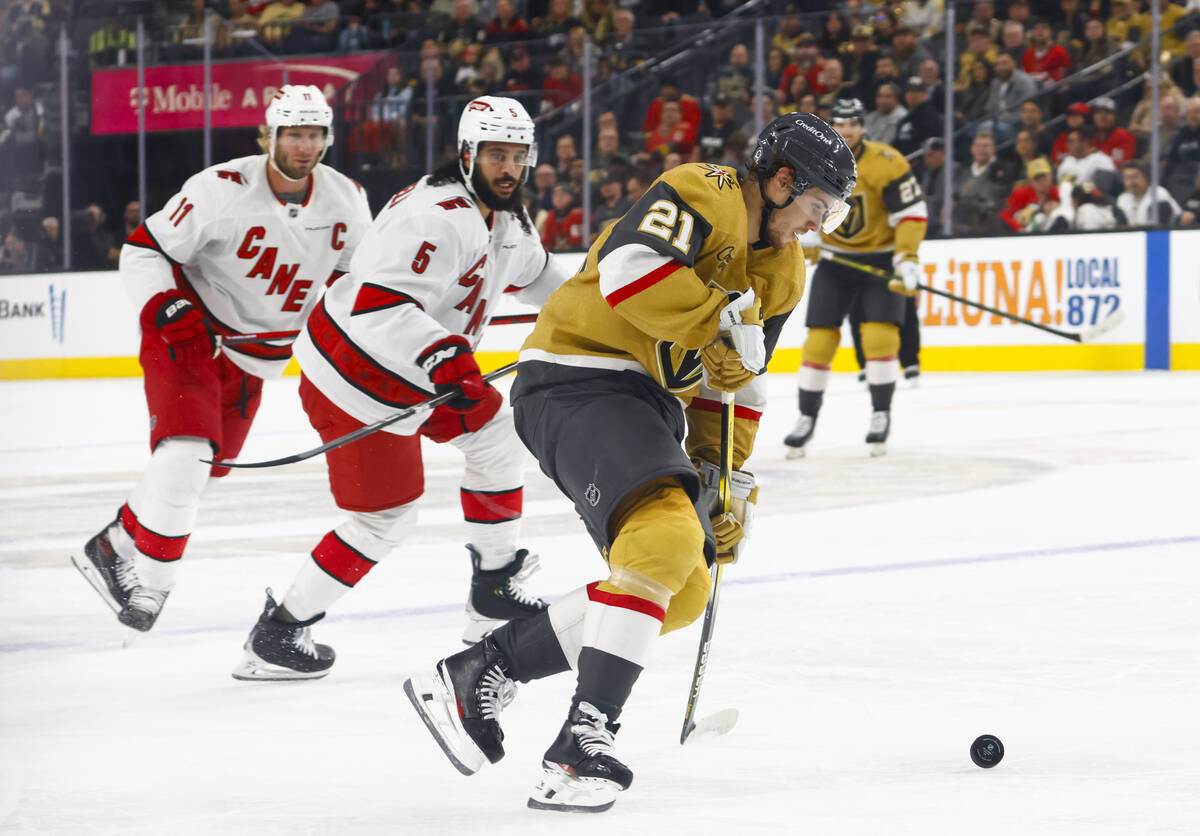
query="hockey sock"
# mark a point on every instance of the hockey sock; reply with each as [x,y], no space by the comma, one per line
[618,631]
[548,643]
[813,381]
[162,509]
[493,522]
[881,395]
[882,374]
[342,558]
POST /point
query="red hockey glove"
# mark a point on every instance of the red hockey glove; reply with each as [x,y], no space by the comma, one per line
[184,329]
[451,366]
[446,424]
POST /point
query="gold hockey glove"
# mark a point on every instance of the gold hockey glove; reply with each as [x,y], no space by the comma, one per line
[726,373]
[733,527]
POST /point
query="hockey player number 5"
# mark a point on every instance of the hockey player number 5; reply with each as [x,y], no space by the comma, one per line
[661,221]
[421,262]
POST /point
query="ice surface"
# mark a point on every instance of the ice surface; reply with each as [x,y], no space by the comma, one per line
[1024,562]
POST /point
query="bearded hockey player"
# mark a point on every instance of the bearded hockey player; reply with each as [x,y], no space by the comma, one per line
[884,228]
[398,330]
[683,297]
[244,247]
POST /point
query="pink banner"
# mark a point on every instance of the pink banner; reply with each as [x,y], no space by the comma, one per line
[241,91]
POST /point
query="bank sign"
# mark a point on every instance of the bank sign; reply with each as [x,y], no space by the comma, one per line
[241,90]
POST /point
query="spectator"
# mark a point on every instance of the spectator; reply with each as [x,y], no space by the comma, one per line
[573,50]
[834,33]
[930,74]
[923,120]
[1082,207]
[773,72]
[461,29]
[797,88]
[1071,21]
[669,90]
[808,103]
[979,48]
[1113,140]
[979,188]
[807,60]
[1097,47]
[1078,114]
[766,112]
[881,123]
[507,26]
[1031,203]
[908,52]
[561,85]
[1031,120]
[1170,38]
[736,78]
[1009,89]
[983,15]
[1183,154]
[672,133]
[553,28]
[275,34]
[92,242]
[1140,121]
[545,178]
[131,219]
[522,75]
[1137,205]
[715,128]
[1183,68]
[624,45]
[735,152]
[612,204]
[23,137]
[883,21]
[1012,40]
[972,101]
[925,17]
[392,112]
[356,37]
[1083,161]
[47,247]
[564,223]
[1170,118]
[831,81]
[788,33]
[1024,150]
[15,257]
[885,73]
[636,186]
[859,63]
[189,30]
[1124,28]
[564,155]
[433,68]
[930,171]
[597,19]
[1045,61]
[1191,209]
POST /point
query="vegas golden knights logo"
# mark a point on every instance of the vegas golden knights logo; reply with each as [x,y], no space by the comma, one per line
[856,218]
[680,368]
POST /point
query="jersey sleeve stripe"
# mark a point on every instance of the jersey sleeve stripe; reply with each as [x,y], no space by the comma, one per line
[706,405]
[636,286]
[915,212]
[141,237]
[374,297]
[356,367]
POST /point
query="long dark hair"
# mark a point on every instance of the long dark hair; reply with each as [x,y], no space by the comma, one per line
[449,172]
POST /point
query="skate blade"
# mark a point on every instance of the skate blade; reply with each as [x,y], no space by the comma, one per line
[93,577]
[425,702]
[713,725]
[877,448]
[561,792]
[796,452]
[254,669]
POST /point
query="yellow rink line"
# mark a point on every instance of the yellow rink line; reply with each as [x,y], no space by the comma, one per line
[933,358]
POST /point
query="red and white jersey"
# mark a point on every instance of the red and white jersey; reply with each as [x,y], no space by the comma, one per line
[249,261]
[430,267]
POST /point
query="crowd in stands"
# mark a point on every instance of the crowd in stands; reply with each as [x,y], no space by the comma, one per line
[1051,122]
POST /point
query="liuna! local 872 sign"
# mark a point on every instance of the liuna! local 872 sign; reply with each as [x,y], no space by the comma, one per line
[241,91]
[1047,280]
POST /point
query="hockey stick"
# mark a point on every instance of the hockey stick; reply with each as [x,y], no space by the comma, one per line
[363,431]
[267,336]
[1088,335]
[724,720]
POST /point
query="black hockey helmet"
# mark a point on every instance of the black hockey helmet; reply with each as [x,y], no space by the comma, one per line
[848,109]
[817,156]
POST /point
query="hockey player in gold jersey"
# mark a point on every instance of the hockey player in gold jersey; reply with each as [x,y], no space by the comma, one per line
[884,228]
[681,298]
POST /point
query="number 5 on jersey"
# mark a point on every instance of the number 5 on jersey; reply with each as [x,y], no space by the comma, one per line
[421,262]
[664,219]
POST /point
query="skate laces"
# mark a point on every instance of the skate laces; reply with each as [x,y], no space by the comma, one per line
[517,592]
[126,572]
[495,692]
[302,641]
[147,600]
[591,731]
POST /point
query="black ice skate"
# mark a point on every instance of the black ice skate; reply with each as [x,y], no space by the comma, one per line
[581,773]
[110,574]
[142,609]
[877,434]
[460,704]
[280,650]
[797,440]
[912,374]
[497,596]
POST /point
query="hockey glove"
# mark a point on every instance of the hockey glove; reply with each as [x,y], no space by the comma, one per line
[908,275]
[724,366]
[446,424]
[742,320]
[452,368]
[733,527]
[184,329]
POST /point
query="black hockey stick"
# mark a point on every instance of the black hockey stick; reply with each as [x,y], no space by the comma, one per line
[363,431]
[722,721]
[1086,336]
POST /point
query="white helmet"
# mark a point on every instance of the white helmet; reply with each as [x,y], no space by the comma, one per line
[295,105]
[493,119]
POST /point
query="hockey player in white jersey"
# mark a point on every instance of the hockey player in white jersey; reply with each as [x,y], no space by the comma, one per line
[396,331]
[244,247]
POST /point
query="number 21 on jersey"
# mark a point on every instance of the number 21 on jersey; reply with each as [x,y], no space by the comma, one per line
[664,220]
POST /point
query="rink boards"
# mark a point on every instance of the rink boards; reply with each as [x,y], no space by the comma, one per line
[82,324]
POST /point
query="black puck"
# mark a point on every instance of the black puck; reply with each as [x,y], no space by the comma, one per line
[987,751]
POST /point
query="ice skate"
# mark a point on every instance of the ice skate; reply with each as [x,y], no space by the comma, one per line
[581,773]
[498,596]
[913,375]
[280,650]
[460,703]
[797,440]
[877,434]
[142,609]
[110,574]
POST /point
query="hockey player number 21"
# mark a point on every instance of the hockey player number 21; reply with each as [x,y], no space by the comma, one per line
[661,221]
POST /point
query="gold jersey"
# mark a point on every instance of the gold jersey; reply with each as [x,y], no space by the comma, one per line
[887,194]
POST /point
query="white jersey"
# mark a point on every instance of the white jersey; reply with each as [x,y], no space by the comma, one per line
[1083,169]
[249,261]
[430,268]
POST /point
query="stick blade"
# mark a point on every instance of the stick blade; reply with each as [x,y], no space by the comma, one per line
[1104,326]
[711,726]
